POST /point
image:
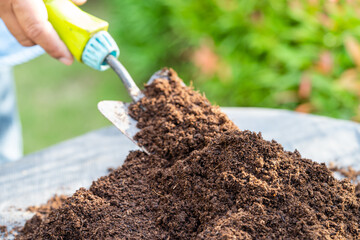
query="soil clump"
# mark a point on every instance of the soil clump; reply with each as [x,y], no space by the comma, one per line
[204,179]
[53,203]
[3,231]
[349,173]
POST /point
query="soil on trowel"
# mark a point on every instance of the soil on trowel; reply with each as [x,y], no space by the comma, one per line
[204,179]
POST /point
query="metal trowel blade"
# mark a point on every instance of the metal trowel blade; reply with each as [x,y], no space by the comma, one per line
[117,113]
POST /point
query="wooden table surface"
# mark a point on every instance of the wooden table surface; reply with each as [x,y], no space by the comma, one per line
[75,163]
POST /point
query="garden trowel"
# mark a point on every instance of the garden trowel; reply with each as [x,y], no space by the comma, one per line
[87,39]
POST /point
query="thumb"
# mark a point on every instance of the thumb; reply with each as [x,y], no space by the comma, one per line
[79,2]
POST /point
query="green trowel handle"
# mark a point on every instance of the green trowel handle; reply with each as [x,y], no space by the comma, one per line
[74,26]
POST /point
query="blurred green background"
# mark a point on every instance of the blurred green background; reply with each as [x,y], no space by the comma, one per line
[289,54]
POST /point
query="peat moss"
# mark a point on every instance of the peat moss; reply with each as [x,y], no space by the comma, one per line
[204,179]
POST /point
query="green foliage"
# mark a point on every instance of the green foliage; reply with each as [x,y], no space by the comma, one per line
[240,53]
[57,102]
[261,49]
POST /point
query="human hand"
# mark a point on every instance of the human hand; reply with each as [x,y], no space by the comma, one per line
[27,20]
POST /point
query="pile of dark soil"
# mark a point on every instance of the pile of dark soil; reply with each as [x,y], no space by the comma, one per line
[205,179]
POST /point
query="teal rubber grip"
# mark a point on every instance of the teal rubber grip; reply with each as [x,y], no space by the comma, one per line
[97,49]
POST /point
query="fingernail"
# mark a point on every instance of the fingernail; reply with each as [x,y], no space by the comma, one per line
[66,61]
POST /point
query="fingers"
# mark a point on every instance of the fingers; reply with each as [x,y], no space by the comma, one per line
[14,27]
[32,18]
[79,2]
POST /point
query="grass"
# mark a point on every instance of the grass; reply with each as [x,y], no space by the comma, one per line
[57,102]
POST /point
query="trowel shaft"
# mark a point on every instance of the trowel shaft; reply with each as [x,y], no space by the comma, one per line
[125,77]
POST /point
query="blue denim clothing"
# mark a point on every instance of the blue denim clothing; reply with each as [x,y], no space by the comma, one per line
[10,130]
[11,54]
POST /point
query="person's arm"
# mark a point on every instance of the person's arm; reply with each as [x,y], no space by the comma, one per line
[27,20]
